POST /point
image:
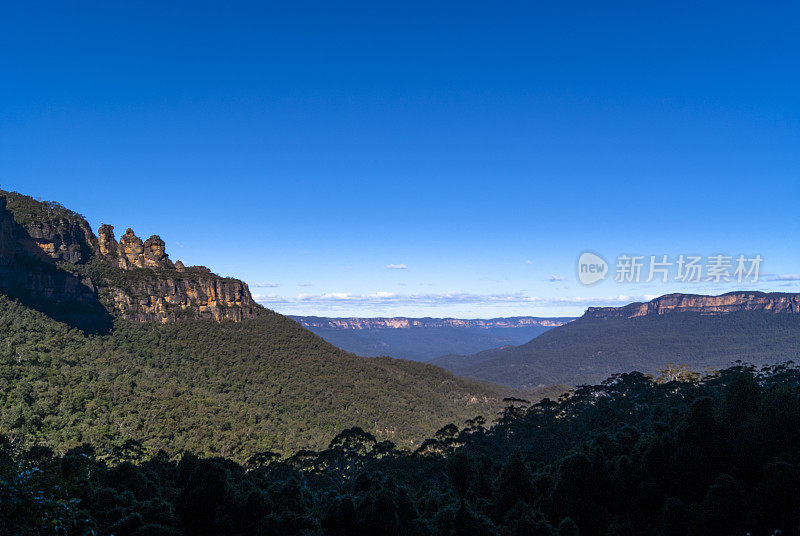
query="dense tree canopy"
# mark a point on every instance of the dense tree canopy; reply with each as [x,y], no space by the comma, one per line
[588,350]
[230,389]
[713,456]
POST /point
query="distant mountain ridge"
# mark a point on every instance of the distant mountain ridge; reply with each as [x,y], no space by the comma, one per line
[423,339]
[704,332]
[400,322]
[708,305]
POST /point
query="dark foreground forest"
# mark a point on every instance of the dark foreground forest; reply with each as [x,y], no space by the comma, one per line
[632,456]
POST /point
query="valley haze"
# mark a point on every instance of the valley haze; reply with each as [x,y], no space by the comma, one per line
[423,339]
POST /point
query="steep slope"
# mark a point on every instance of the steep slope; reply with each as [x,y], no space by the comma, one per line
[34,239]
[103,341]
[700,331]
[423,339]
[732,302]
[51,260]
[215,388]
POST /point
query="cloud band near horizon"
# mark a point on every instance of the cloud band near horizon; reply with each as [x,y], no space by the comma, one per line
[342,301]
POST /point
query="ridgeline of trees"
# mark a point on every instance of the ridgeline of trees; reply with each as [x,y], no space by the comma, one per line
[588,350]
[28,210]
[719,455]
[229,389]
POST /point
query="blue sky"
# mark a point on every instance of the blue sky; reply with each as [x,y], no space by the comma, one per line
[304,147]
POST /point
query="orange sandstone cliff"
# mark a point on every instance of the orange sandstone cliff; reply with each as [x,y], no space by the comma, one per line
[50,259]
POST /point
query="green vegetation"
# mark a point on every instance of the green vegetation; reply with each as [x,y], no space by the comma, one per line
[715,456]
[228,389]
[204,428]
[589,350]
[27,210]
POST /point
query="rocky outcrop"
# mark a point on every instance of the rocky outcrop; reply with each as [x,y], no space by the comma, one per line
[404,323]
[64,240]
[155,255]
[707,305]
[107,244]
[59,233]
[131,278]
[152,288]
[29,271]
[169,299]
[130,252]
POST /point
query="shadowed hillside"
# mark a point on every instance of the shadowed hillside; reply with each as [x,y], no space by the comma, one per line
[604,342]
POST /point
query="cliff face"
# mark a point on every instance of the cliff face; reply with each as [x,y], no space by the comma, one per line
[151,288]
[46,227]
[709,305]
[29,271]
[51,259]
[167,298]
[70,241]
[405,323]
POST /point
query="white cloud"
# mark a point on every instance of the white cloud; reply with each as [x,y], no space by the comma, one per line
[528,262]
[265,284]
[336,296]
[332,300]
[396,267]
[781,277]
[556,278]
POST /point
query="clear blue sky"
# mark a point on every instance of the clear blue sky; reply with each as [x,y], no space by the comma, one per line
[305,147]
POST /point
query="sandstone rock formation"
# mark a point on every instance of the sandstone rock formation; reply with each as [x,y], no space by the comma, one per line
[131,278]
[64,240]
[106,241]
[174,291]
[155,255]
[708,305]
[168,299]
[130,252]
[29,271]
[58,232]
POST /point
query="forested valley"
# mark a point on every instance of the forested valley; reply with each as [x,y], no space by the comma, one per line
[634,455]
[217,389]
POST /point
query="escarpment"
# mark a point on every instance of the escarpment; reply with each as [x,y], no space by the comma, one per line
[151,287]
[51,259]
[707,305]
